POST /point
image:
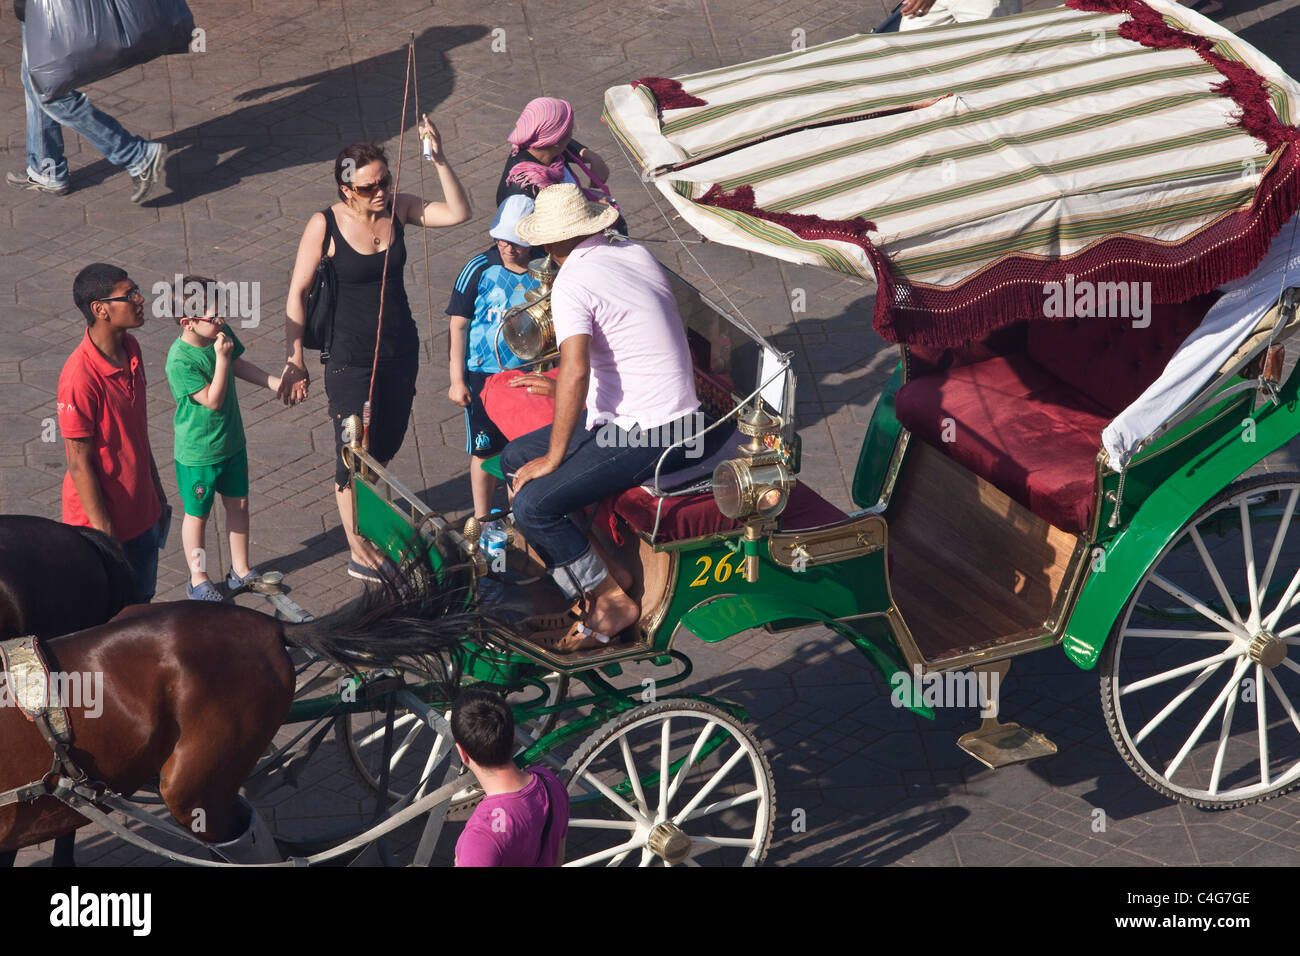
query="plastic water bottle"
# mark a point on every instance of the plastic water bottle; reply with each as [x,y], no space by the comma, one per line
[493,543]
[428,147]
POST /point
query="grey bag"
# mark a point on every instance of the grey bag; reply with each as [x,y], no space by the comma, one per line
[74,42]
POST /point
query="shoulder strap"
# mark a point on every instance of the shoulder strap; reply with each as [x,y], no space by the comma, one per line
[331,227]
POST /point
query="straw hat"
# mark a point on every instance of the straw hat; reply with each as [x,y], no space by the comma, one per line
[561,212]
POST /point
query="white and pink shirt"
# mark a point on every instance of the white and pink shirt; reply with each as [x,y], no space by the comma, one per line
[617,293]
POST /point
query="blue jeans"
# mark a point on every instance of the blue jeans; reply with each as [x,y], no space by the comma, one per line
[45,161]
[142,555]
[591,472]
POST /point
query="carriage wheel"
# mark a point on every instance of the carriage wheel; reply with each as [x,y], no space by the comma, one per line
[714,804]
[1198,683]
[414,744]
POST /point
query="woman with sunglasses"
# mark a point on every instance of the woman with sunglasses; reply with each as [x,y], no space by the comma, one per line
[365,230]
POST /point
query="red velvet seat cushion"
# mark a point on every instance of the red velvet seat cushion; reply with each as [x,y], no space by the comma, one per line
[1019,427]
[697,515]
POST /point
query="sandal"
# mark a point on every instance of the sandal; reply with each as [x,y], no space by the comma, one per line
[565,641]
[235,583]
[205,591]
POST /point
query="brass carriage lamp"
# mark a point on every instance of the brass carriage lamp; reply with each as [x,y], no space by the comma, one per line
[755,486]
[528,329]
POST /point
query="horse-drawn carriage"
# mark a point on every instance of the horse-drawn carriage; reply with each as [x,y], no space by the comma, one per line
[1067,454]
[1081,222]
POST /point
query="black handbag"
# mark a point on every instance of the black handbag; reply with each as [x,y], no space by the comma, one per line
[318,324]
[74,42]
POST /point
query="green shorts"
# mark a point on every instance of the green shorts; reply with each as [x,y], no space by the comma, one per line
[200,484]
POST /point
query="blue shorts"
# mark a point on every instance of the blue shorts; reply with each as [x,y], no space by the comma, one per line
[482,437]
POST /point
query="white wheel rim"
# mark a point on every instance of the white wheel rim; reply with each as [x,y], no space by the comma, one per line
[718,791]
[1179,689]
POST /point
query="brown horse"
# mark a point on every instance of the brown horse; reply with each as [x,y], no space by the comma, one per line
[194,692]
[55,579]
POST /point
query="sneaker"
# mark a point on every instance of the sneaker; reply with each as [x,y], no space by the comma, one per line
[152,174]
[205,591]
[24,180]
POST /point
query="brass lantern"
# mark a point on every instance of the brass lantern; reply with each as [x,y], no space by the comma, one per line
[528,329]
[755,486]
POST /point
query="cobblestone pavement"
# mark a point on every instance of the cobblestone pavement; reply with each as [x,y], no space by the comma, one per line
[254,123]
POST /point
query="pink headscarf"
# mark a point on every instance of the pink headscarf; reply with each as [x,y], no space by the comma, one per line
[545,122]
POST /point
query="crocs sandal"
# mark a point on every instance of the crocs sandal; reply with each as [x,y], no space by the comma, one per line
[235,583]
[206,591]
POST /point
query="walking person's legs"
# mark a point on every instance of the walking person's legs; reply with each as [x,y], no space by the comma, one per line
[47,168]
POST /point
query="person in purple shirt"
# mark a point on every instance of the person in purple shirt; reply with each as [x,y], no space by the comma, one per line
[524,818]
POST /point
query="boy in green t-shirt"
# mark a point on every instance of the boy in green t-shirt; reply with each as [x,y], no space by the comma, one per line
[209,447]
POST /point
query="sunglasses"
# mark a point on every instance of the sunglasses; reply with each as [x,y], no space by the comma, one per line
[371,188]
[135,295]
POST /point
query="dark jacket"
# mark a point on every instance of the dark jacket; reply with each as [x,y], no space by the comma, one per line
[20,9]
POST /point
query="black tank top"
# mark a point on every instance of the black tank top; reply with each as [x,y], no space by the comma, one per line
[357,312]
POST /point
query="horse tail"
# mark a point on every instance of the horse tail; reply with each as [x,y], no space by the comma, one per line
[409,621]
[121,576]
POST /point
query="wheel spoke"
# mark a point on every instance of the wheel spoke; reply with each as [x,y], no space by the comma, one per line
[1225,731]
[378,733]
[689,762]
[604,855]
[593,823]
[713,782]
[1197,606]
[1286,701]
[1219,586]
[1267,577]
[630,766]
[646,856]
[1174,704]
[589,780]
[1168,675]
[1261,719]
[1179,635]
[724,841]
[1290,664]
[664,763]
[1196,733]
[1248,552]
[1284,604]
[720,805]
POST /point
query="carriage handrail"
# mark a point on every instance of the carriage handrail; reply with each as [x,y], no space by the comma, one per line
[426,514]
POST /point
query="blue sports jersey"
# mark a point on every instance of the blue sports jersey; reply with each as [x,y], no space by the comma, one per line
[484,292]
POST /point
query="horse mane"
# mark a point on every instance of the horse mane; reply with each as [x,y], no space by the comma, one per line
[412,619]
[121,576]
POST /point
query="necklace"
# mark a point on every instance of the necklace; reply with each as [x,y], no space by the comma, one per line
[365,223]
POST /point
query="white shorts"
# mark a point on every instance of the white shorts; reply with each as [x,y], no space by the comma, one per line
[960,11]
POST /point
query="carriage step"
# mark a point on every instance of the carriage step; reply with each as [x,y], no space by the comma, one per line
[997,744]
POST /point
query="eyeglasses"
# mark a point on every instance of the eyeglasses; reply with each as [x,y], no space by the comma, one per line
[371,188]
[135,295]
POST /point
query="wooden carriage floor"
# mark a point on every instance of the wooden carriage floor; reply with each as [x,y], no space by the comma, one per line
[969,568]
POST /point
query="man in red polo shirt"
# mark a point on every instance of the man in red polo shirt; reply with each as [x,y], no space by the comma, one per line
[112,481]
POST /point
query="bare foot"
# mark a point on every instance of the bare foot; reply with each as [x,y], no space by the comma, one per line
[610,610]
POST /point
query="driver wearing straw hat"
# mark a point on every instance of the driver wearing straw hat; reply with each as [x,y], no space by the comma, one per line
[623,352]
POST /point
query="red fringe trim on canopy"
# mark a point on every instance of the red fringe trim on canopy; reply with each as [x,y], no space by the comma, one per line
[805,227]
[1242,85]
[668,94]
[1014,288]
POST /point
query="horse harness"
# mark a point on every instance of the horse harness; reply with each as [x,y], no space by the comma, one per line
[26,675]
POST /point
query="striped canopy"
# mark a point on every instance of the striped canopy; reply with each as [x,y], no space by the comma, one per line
[965,167]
